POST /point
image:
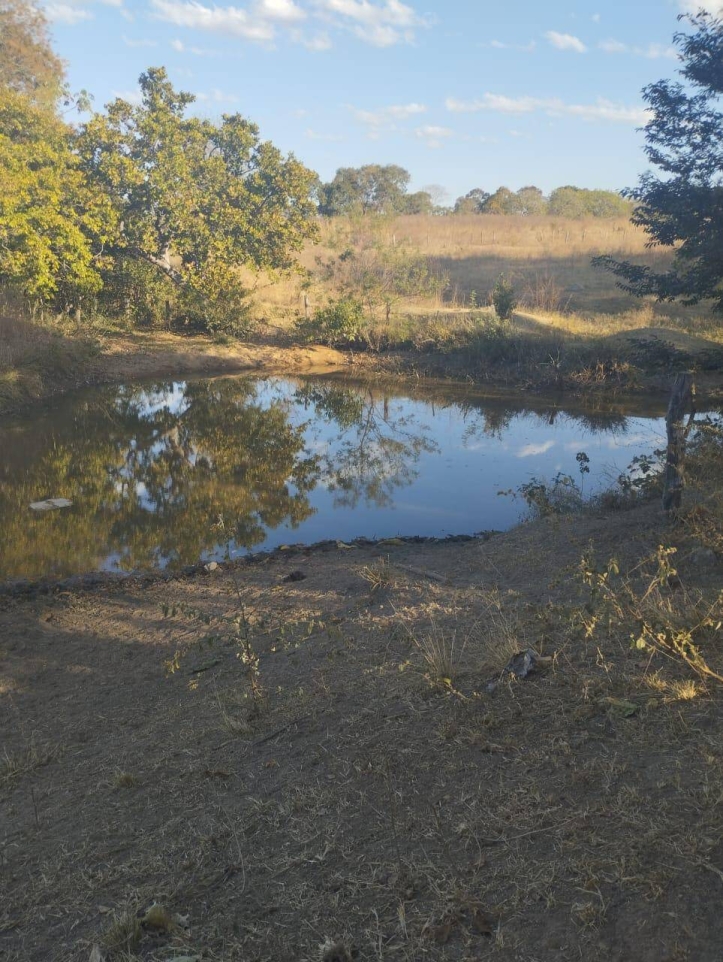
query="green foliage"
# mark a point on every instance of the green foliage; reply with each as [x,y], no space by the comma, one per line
[372,189]
[28,65]
[378,276]
[54,224]
[472,202]
[504,298]
[530,201]
[579,202]
[543,498]
[682,209]
[340,324]
[197,201]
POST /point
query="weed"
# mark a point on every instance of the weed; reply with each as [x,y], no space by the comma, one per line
[124,780]
[379,575]
[122,936]
[33,755]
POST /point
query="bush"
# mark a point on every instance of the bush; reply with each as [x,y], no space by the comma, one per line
[504,298]
[341,324]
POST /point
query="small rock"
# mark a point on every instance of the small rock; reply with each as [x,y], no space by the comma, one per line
[211,566]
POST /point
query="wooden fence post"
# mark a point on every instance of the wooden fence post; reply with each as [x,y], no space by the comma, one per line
[680,400]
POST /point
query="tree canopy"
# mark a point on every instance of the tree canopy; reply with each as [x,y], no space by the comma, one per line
[681,207]
[28,64]
[195,200]
[372,189]
[53,222]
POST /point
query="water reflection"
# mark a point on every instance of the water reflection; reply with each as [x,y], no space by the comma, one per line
[149,468]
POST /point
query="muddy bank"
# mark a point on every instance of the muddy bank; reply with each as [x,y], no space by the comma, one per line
[335,766]
[162,355]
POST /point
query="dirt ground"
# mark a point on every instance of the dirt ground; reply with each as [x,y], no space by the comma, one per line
[376,795]
[161,355]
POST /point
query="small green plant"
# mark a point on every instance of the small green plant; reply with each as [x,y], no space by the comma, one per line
[504,298]
[545,498]
[340,324]
[644,607]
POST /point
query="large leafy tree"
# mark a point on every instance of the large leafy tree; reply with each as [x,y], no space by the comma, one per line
[372,189]
[53,224]
[28,64]
[197,201]
[682,206]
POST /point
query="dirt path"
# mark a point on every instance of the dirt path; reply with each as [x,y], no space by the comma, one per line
[376,794]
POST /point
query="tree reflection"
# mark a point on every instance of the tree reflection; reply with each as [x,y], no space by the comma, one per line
[149,470]
[375,451]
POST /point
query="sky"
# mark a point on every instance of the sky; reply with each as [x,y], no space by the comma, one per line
[462,93]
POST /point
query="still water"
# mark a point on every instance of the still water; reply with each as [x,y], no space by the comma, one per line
[150,468]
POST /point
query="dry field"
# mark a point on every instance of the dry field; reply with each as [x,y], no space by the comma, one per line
[547,258]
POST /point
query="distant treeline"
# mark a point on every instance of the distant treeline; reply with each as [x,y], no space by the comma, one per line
[384,189]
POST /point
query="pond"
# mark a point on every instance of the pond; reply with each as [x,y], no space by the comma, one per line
[150,468]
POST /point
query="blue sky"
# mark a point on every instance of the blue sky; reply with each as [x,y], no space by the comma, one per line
[463,93]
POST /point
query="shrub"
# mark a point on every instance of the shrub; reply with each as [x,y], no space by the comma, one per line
[504,298]
[340,324]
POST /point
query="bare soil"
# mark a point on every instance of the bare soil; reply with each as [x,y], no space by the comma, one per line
[384,803]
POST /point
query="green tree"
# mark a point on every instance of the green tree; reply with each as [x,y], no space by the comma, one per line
[579,202]
[503,201]
[372,189]
[472,203]
[53,224]
[197,201]
[28,64]
[531,201]
[682,208]
[418,203]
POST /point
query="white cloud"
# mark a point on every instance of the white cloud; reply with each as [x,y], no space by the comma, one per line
[76,11]
[565,41]
[693,6]
[602,109]
[381,24]
[653,51]
[281,11]
[431,131]
[432,135]
[318,44]
[500,45]
[388,116]
[181,47]
[131,96]
[257,24]
[139,43]
[65,13]
[532,450]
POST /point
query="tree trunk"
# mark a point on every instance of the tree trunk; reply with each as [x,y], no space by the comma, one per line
[680,401]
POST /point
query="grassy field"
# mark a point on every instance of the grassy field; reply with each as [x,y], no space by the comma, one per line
[548,259]
[574,329]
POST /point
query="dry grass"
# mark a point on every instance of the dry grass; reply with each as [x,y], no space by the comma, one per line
[371,812]
[35,356]
[547,259]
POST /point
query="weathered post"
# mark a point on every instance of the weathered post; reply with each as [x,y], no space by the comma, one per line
[680,400]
